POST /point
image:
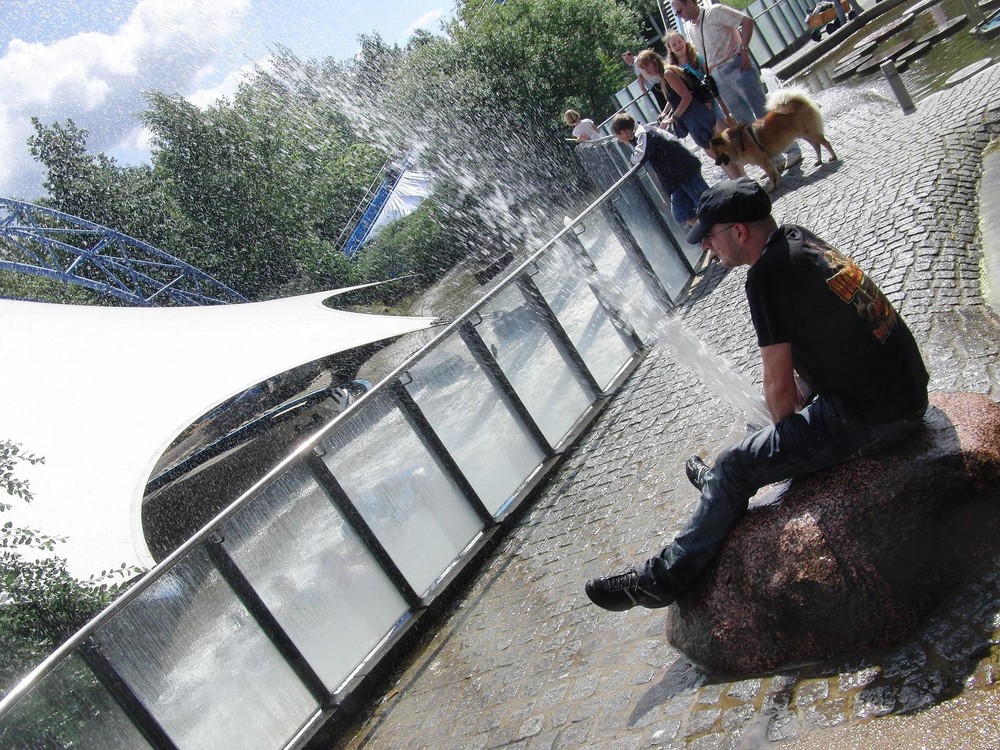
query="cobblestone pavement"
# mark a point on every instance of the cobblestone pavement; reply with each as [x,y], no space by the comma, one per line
[524,661]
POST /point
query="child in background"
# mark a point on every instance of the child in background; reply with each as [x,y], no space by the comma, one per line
[583,128]
[683,54]
[678,170]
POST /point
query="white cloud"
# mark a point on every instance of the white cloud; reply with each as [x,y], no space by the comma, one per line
[206,97]
[98,79]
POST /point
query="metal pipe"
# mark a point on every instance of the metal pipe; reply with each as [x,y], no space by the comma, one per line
[898,87]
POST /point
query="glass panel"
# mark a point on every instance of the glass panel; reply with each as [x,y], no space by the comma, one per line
[196,658]
[543,378]
[475,422]
[624,285]
[412,505]
[642,107]
[605,162]
[661,200]
[315,575]
[651,238]
[770,37]
[563,281]
[788,27]
[662,240]
[69,708]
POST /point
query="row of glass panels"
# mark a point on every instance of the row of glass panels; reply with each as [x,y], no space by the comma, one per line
[248,634]
[778,25]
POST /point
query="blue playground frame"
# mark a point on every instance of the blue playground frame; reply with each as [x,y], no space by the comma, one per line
[44,242]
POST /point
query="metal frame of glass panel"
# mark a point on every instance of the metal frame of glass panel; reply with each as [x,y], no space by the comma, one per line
[780,25]
[332,509]
[644,211]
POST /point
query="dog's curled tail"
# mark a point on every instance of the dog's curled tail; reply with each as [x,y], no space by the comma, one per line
[784,100]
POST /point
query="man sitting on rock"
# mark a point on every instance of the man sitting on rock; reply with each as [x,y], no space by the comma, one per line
[823,327]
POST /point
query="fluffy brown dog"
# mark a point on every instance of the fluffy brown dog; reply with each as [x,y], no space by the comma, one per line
[791,114]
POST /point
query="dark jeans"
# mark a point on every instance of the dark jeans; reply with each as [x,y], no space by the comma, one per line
[684,200]
[819,436]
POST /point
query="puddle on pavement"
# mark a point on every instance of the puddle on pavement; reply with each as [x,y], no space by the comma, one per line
[989,224]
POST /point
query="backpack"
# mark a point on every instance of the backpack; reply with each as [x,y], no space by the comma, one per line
[699,90]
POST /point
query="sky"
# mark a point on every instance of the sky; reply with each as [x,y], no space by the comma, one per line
[91,60]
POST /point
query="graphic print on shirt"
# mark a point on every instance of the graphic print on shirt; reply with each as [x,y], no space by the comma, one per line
[850,283]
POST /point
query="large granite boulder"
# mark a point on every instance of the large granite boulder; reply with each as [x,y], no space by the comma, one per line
[852,558]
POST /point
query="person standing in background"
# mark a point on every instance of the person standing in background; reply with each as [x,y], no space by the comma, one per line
[583,127]
[723,35]
[646,85]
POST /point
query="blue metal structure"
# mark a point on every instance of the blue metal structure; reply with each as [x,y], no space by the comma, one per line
[373,209]
[44,242]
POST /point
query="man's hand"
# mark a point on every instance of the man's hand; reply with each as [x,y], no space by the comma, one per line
[744,59]
[745,32]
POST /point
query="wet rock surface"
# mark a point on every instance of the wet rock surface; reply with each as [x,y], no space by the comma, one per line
[524,661]
[851,559]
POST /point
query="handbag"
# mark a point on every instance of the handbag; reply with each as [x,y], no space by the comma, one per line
[707,79]
[710,84]
[699,90]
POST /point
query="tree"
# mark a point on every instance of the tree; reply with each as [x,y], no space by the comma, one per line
[482,105]
[422,247]
[256,191]
[543,56]
[41,603]
[276,170]
[261,191]
[127,199]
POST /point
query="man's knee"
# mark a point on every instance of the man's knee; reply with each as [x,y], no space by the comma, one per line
[733,471]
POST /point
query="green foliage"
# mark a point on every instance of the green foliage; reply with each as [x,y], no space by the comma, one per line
[41,603]
[484,104]
[546,55]
[96,188]
[406,250]
[251,191]
[22,286]
[275,173]
[10,454]
[419,249]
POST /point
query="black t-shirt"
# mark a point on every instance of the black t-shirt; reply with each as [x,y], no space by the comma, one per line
[847,339]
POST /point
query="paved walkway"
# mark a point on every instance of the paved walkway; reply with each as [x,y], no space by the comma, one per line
[524,661]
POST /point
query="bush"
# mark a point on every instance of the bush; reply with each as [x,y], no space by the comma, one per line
[41,603]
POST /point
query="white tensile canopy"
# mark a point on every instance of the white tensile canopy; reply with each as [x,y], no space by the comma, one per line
[101,392]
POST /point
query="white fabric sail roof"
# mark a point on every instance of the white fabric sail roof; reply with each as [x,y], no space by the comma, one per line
[410,191]
[101,392]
